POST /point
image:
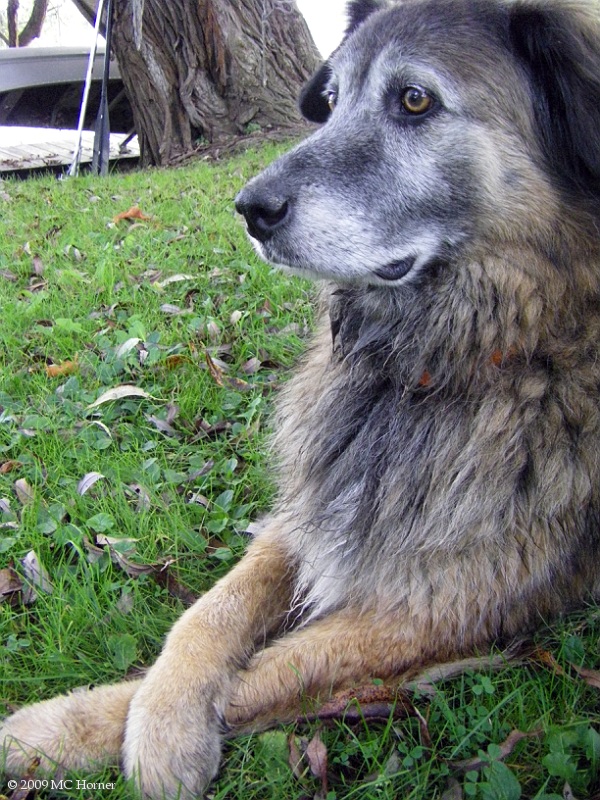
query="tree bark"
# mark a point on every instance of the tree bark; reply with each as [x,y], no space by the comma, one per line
[12,10]
[208,69]
[35,23]
[33,27]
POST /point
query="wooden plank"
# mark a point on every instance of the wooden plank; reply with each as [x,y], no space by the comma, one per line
[38,155]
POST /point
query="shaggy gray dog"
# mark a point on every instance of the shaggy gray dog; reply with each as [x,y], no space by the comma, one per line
[439,448]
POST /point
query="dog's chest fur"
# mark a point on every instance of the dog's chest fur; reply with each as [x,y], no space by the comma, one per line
[407,474]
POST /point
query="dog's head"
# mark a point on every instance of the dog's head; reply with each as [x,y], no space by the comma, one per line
[448,125]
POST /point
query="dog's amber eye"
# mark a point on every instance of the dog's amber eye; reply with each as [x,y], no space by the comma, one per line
[331,98]
[416,100]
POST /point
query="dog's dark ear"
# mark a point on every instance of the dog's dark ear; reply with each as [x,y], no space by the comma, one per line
[561,49]
[313,103]
[358,10]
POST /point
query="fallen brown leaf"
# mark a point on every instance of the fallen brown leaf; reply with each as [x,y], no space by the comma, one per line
[206,430]
[36,576]
[64,368]
[295,757]
[590,676]
[10,584]
[165,578]
[23,786]
[221,379]
[506,748]
[171,362]
[38,265]
[162,425]
[173,310]
[251,366]
[132,213]
[173,279]
[8,466]
[24,491]
[94,554]
[316,755]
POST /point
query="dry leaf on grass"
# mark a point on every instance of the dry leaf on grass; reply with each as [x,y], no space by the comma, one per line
[88,480]
[221,379]
[10,584]
[316,755]
[142,496]
[174,279]
[161,572]
[313,753]
[165,578]
[36,576]
[205,430]
[251,366]
[118,393]
[176,360]
[295,757]
[590,676]
[120,550]
[8,466]
[38,265]
[127,347]
[134,213]
[162,425]
[64,368]
[506,747]
[24,491]
[173,310]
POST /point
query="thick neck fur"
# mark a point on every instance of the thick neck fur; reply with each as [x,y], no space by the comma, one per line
[460,324]
[431,467]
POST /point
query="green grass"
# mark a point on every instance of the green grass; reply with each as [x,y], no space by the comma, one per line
[184,472]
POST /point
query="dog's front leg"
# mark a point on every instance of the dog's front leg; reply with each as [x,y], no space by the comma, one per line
[173,733]
[173,727]
[82,730]
[302,669]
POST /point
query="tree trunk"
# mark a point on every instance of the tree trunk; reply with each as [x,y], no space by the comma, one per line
[32,29]
[208,69]
[12,11]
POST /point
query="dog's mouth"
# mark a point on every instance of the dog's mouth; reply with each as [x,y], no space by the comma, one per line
[395,269]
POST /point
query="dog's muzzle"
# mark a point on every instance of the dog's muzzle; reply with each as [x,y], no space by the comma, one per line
[264,211]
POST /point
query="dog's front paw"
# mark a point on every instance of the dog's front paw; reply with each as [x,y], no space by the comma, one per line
[172,743]
[79,730]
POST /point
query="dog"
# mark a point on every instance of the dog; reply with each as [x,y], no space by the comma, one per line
[439,447]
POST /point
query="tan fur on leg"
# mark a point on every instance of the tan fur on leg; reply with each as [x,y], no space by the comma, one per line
[173,736]
[75,731]
[342,650]
[171,733]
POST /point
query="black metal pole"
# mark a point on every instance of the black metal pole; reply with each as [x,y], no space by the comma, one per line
[101,154]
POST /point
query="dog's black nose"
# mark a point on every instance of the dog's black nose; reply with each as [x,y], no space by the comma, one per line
[264,211]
